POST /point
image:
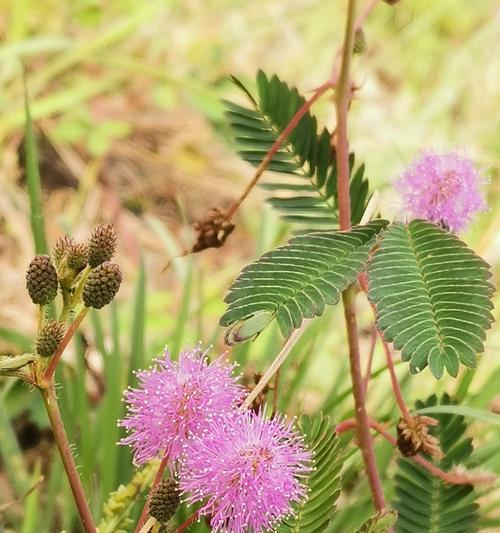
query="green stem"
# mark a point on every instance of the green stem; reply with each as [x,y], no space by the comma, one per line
[343,96]
[50,400]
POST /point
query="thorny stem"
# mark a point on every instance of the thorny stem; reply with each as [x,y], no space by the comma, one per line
[343,95]
[157,479]
[277,145]
[453,478]
[50,400]
[49,373]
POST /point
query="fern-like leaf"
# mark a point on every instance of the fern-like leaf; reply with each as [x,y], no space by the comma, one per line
[424,503]
[298,280]
[432,296]
[315,514]
[308,194]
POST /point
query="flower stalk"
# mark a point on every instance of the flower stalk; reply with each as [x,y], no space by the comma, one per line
[50,400]
[343,96]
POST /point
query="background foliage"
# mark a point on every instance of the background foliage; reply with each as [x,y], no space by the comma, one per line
[127,100]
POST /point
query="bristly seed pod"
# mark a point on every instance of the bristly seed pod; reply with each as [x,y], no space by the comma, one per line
[61,248]
[41,280]
[49,338]
[77,257]
[102,285]
[102,244]
[165,500]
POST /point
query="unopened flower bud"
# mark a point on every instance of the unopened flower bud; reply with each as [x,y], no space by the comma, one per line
[78,254]
[165,500]
[61,247]
[49,338]
[102,285]
[102,244]
[41,280]
[359,45]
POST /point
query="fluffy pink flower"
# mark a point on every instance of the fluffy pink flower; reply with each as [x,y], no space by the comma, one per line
[175,400]
[442,188]
[247,471]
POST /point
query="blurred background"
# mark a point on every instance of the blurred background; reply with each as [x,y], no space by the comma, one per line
[127,97]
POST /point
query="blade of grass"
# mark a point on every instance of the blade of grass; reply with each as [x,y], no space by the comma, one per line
[137,353]
[84,444]
[33,180]
[17,339]
[31,519]
[178,337]
[12,457]
[463,410]
[112,409]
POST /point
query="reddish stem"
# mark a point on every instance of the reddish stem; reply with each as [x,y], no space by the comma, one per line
[157,479]
[373,343]
[188,522]
[343,95]
[50,399]
[277,145]
[49,373]
[395,385]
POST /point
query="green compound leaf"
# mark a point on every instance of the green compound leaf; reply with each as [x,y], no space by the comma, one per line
[298,280]
[315,514]
[424,503]
[306,191]
[432,297]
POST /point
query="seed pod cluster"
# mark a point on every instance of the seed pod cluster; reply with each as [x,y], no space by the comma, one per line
[41,280]
[165,500]
[49,338]
[102,244]
[102,285]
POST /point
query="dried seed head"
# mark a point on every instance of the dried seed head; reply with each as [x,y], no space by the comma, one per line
[77,256]
[41,280]
[49,338]
[102,244]
[359,45]
[165,500]
[415,437]
[102,285]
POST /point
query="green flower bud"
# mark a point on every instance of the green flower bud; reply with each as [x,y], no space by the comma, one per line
[102,285]
[102,244]
[41,280]
[77,257]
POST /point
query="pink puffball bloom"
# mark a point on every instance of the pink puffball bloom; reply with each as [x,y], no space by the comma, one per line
[247,470]
[175,400]
[442,188]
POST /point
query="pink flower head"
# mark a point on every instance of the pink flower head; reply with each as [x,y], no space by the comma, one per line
[175,400]
[247,470]
[442,188]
